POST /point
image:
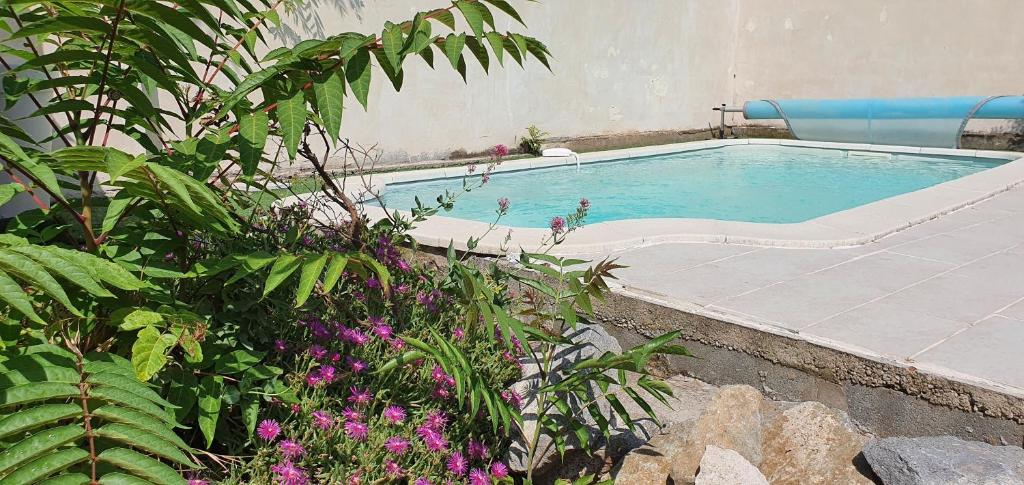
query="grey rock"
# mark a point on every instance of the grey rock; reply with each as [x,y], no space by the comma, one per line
[721,466]
[944,460]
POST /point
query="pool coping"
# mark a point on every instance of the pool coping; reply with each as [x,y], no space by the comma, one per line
[851,227]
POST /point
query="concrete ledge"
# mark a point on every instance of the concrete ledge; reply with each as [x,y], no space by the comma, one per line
[887,397]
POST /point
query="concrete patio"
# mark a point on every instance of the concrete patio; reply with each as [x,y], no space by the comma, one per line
[945,296]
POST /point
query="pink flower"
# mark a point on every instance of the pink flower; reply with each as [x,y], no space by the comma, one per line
[291,449]
[584,203]
[432,438]
[557,225]
[479,477]
[280,345]
[356,365]
[360,397]
[397,343]
[396,445]
[395,414]
[457,463]
[402,288]
[404,267]
[351,414]
[289,474]
[268,429]
[392,468]
[296,408]
[436,420]
[356,430]
[421,481]
[500,150]
[317,352]
[383,331]
[499,470]
[323,419]
[327,374]
[459,333]
[198,481]
[313,380]
[512,397]
[503,204]
[477,450]
[438,374]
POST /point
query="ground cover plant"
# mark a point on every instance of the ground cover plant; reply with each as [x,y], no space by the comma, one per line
[160,326]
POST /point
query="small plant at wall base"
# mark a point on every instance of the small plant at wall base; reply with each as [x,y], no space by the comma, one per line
[534,140]
[158,325]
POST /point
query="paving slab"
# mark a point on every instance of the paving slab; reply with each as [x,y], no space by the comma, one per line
[991,350]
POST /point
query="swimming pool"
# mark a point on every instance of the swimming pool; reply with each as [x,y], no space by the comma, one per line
[760,183]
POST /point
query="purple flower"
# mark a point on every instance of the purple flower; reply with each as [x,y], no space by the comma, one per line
[359,397]
[372,282]
[421,481]
[503,204]
[383,331]
[402,288]
[351,414]
[477,450]
[459,333]
[403,266]
[280,345]
[479,477]
[436,420]
[392,468]
[512,397]
[584,203]
[327,374]
[323,419]
[457,463]
[356,365]
[499,470]
[438,374]
[395,414]
[433,439]
[289,474]
[291,449]
[396,445]
[356,430]
[197,481]
[317,352]
[557,225]
[268,429]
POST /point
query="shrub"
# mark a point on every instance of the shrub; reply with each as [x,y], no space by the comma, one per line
[534,140]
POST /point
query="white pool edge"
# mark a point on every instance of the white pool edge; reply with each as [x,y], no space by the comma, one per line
[852,227]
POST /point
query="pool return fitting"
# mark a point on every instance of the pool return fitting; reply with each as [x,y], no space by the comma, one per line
[723,109]
[562,152]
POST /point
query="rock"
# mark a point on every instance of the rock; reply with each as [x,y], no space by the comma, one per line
[650,464]
[810,444]
[944,460]
[721,466]
[732,420]
[594,341]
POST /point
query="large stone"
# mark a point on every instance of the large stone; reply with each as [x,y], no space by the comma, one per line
[944,460]
[651,463]
[810,444]
[721,466]
[732,420]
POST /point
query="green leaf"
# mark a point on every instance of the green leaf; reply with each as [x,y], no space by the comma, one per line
[139,420]
[209,396]
[40,391]
[38,444]
[291,113]
[149,353]
[36,416]
[237,361]
[45,466]
[329,88]
[127,384]
[250,414]
[308,278]
[67,479]
[142,439]
[130,400]
[12,294]
[334,270]
[391,38]
[253,129]
[8,191]
[118,478]
[250,84]
[444,16]
[453,45]
[141,465]
[358,71]
[474,13]
[508,9]
[283,268]
[479,51]
[56,264]
[140,318]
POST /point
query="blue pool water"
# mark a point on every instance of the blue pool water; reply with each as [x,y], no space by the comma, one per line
[753,183]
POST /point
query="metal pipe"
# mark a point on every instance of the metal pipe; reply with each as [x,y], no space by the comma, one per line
[723,109]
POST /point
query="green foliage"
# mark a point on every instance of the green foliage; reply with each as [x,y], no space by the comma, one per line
[534,139]
[65,415]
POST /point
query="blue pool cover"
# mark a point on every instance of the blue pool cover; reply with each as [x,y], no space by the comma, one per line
[930,122]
